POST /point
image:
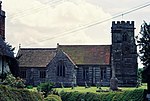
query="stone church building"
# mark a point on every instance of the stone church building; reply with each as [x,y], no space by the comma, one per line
[80,64]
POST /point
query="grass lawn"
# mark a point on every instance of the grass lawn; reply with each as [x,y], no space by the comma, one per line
[93,89]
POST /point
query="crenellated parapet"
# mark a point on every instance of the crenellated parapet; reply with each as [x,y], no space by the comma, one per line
[123,24]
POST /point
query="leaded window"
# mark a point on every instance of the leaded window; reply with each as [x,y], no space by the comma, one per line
[103,73]
[42,74]
[61,68]
[85,73]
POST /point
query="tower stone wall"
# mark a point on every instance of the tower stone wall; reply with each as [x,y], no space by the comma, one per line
[2,22]
[124,53]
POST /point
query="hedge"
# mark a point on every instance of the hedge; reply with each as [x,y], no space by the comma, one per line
[13,94]
[130,95]
[52,98]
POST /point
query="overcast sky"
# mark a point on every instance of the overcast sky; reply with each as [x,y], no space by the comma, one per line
[44,23]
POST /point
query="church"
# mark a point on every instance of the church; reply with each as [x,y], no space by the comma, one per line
[83,64]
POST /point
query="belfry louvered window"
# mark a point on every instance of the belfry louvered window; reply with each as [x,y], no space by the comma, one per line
[61,68]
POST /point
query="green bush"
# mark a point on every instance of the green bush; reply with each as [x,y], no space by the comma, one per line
[46,88]
[52,98]
[30,87]
[131,95]
[14,82]
[12,94]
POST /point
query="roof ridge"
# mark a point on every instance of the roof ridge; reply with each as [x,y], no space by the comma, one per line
[85,45]
[38,48]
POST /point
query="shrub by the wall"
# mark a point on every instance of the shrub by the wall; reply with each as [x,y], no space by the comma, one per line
[46,88]
[12,94]
[131,95]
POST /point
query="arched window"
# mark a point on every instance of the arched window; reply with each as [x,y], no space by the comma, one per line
[125,37]
[61,68]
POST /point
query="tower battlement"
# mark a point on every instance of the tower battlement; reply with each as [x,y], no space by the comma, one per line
[120,24]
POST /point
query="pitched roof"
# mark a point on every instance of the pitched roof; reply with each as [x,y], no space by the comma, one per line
[88,54]
[35,57]
[4,49]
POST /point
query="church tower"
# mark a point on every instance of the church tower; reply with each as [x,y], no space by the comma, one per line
[2,22]
[124,53]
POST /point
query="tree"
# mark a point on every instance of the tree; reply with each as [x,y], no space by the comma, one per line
[143,41]
[12,62]
[10,47]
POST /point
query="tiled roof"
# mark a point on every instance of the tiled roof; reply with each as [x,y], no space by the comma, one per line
[35,57]
[88,54]
[5,50]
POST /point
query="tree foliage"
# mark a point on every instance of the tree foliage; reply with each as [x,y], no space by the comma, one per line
[143,40]
[12,62]
[10,47]
[14,82]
